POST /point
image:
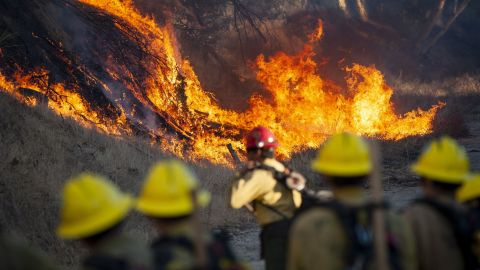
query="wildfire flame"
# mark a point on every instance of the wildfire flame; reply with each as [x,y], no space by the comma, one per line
[304,111]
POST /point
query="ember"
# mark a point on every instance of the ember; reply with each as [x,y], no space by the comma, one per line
[305,109]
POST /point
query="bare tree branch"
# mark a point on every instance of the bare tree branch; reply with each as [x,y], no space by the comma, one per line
[449,23]
[433,20]
[342,4]
[362,10]
[253,19]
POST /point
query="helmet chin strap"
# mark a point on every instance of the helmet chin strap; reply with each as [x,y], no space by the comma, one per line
[255,155]
[260,155]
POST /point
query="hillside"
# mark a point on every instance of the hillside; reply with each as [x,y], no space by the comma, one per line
[40,151]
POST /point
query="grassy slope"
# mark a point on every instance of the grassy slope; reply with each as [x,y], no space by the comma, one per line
[41,150]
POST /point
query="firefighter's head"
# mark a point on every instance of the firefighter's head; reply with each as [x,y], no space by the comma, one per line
[171,194]
[443,167]
[261,144]
[92,208]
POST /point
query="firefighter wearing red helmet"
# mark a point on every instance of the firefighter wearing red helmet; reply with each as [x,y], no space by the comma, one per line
[261,138]
[263,184]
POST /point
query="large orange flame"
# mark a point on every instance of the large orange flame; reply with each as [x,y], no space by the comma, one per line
[305,109]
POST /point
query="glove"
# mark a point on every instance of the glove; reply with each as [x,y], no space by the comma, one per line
[296,181]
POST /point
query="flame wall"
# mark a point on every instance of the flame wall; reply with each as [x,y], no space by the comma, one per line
[304,110]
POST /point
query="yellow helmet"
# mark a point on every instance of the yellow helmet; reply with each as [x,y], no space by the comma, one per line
[470,190]
[91,204]
[444,160]
[167,191]
[343,155]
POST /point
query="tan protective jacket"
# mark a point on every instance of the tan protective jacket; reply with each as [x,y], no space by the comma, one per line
[435,240]
[318,240]
[259,185]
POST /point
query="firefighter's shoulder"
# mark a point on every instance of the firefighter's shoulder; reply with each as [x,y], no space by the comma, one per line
[256,173]
[315,219]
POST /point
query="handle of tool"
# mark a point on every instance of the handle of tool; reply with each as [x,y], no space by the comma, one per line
[379,228]
[233,153]
[199,243]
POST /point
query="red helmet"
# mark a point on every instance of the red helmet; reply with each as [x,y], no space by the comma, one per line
[261,137]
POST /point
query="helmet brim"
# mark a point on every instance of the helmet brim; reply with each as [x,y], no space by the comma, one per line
[342,170]
[176,208]
[439,175]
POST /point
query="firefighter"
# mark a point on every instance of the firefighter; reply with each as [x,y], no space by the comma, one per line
[438,222]
[171,199]
[469,196]
[338,234]
[93,211]
[263,185]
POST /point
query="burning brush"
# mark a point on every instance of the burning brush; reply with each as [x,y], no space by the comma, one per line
[169,103]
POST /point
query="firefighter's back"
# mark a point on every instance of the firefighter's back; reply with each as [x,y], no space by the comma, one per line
[321,238]
[437,245]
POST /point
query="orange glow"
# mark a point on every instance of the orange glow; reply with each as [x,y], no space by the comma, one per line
[317,34]
[304,111]
[64,102]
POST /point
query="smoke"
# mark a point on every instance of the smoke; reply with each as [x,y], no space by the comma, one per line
[70,28]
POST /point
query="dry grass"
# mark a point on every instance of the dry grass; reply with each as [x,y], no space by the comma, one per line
[40,151]
[463,85]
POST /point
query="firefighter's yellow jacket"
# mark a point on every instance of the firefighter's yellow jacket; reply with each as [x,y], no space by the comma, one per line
[318,240]
[259,185]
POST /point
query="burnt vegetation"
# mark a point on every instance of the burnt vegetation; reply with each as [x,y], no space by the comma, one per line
[422,40]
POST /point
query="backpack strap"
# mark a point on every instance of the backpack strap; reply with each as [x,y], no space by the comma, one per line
[105,262]
[220,255]
[361,240]
[279,176]
[270,208]
[462,229]
[163,249]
